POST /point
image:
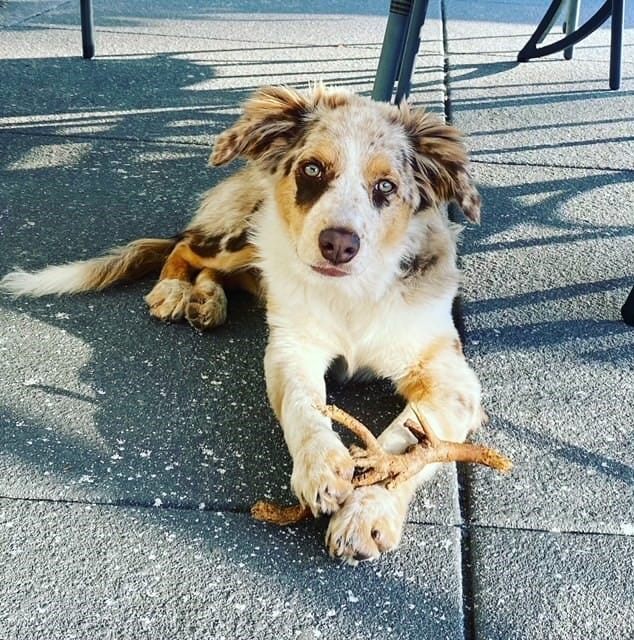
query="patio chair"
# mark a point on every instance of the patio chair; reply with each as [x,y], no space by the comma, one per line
[574,33]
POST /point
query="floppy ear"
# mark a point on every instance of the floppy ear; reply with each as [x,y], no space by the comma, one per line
[271,120]
[440,162]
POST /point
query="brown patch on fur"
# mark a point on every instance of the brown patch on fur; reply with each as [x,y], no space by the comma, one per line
[419,383]
[185,261]
[177,266]
[285,194]
[202,244]
[440,162]
[396,228]
[236,243]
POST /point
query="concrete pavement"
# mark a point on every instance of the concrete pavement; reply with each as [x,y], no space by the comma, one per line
[130,451]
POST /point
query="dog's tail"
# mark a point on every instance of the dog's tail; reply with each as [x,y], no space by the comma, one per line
[125,263]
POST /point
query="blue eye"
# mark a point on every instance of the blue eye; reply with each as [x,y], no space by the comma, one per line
[312,170]
[385,187]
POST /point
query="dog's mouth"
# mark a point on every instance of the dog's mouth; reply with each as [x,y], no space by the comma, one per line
[331,272]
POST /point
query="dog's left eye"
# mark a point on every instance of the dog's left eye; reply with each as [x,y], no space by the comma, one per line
[385,187]
[312,170]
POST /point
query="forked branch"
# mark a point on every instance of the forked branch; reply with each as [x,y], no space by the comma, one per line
[376,466]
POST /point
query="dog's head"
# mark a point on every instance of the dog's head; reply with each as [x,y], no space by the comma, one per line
[353,178]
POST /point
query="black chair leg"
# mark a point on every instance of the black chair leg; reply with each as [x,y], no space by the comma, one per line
[87,29]
[616,43]
[400,46]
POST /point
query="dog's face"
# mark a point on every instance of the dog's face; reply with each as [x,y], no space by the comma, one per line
[353,178]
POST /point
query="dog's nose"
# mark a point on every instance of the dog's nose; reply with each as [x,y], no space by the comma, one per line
[338,245]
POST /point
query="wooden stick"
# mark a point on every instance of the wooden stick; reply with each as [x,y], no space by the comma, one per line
[377,466]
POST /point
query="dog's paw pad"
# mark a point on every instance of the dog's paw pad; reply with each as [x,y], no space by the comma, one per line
[207,306]
[368,524]
[168,299]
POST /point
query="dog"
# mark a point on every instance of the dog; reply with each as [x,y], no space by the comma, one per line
[339,221]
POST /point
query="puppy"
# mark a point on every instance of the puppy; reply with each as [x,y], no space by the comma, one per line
[338,219]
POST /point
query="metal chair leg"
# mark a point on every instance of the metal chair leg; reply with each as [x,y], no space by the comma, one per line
[392,49]
[609,8]
[616,43]
[572,21]
[87,29]
[410,49]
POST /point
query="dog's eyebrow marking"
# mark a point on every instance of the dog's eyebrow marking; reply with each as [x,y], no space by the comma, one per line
[236,243]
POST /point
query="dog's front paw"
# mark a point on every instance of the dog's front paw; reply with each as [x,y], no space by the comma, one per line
[168,299]
[207,306]
[369,523]
[322,473]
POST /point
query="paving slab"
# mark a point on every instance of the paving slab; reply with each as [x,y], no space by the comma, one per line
[100,441]
[546,274]
[541,585]
[105,572]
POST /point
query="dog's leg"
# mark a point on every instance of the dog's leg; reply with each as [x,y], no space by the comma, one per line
[207,304]
[322,466]
[442,387]
[191,283]
[170,295]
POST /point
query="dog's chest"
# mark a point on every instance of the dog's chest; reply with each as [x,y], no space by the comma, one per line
[381,335]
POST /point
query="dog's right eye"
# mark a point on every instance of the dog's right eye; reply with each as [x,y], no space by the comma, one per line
[312,170]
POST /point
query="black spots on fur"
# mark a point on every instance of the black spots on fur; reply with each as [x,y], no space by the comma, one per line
[256,207]
[417,265]
[204,245]
[379,200]
[236,243]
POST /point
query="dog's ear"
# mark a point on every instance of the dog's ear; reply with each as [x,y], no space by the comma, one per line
[271,120]
[440,162]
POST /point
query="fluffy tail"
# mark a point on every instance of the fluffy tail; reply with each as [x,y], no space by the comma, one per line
[129,262]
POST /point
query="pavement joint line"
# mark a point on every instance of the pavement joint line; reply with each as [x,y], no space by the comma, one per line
[554,165]
[465,558]
[35,15]
[471,527]
[446,76]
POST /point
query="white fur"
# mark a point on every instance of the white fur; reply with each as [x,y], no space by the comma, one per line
[58,279]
